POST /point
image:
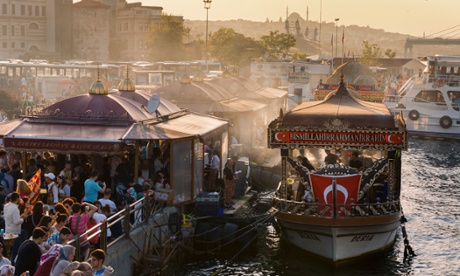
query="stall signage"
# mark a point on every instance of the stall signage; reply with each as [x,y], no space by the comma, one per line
[88,146]
[299,77]
[337,137]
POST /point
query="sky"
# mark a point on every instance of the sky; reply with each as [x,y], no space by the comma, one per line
[414,17]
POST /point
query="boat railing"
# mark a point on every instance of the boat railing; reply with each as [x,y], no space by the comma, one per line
[344,210]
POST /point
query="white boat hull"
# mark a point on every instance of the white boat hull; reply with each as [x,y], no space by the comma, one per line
[342,242]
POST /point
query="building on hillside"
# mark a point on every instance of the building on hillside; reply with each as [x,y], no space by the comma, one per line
[89,29]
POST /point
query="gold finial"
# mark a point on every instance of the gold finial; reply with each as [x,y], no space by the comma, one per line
[127,85]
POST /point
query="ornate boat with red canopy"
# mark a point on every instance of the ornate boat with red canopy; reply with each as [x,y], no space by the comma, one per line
[339,195]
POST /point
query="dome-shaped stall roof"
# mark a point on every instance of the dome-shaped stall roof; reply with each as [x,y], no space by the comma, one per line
[339,110]
[96,107]
[193,92]
[354,73]
[164,108]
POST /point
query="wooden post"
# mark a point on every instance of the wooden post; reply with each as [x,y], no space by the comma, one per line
[127,226]
[136,161]
[103,236]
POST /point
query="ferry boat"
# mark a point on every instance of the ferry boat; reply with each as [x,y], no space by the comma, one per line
[430,102]
[336,211]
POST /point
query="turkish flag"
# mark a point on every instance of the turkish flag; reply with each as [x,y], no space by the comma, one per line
[34,185]
[347,187]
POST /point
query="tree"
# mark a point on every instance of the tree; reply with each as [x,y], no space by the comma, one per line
[371,54]
[277,44]
[298,55]
[231,47]
[390,53]
[166,39]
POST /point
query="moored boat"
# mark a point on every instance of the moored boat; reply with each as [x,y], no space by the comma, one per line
[430,102]
[329,203]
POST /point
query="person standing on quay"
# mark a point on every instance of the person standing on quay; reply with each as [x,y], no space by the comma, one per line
[229,179]
[13,223]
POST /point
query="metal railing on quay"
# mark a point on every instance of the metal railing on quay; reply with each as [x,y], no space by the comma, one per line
[133,216]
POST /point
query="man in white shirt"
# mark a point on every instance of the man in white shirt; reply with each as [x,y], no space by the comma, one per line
[13,222]
[106,200]
[52,188]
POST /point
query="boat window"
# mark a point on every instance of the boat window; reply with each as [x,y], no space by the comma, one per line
[430,96]
[454,98]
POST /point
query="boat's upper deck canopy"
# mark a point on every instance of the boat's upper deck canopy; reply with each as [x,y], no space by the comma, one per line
[339,121]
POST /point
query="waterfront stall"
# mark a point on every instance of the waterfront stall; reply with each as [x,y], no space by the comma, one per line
[101,124]
[328,203]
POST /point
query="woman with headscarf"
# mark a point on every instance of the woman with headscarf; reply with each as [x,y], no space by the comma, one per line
[47,260]
[66,255]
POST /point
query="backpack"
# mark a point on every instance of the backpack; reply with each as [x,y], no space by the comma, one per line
[50,197]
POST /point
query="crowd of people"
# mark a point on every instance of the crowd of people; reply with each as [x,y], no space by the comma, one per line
[74,196]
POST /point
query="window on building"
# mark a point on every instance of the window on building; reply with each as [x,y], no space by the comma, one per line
[4,30]
[23,45]
[13,45]
[13,9]
[37,10]
[4,9]
[4,45]
[29,10]
[43,11]
[12,30]
[33,26]
[23,30]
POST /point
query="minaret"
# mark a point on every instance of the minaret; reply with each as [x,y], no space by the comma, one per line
[307,14]
[287,12]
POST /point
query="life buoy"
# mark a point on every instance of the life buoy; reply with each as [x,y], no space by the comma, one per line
[414,115]
[445,121]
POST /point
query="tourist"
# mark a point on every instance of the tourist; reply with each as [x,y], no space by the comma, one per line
[106,200]
[32,221]
[13,223]
[64,188]
[53,191]
[92,188]
[3,259]
[116,228]
[78,225]
[66,172]
[8,183]
[97,263]
[29,253]
[62,237]
[47,260]
[23,188]
[66,255]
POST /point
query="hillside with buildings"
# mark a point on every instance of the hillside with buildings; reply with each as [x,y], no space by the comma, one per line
[353,36]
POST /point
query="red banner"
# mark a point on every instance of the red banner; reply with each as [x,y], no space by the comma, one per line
[347,187]
[63,145]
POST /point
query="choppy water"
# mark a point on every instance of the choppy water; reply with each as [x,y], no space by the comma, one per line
[431,202]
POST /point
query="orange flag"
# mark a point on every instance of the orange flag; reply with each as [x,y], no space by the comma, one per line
[34,185]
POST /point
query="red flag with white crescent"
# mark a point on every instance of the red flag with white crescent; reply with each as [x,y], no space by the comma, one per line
[34,185]
[347,188]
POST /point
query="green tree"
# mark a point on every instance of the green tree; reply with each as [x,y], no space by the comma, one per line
[166,39]
[371,54]
[278,44]
[231,47]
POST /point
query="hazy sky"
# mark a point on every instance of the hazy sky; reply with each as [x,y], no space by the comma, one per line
[403,16]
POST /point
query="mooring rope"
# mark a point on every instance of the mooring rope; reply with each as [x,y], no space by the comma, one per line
[408,251]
